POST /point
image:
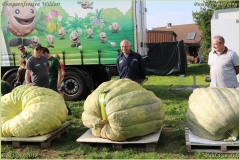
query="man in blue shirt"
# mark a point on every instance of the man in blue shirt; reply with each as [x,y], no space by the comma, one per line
[130,64]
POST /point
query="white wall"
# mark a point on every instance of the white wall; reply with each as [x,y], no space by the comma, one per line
[226,23]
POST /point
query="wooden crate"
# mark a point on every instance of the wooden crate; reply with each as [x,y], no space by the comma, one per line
[44,140]
[211,147]
[148,142]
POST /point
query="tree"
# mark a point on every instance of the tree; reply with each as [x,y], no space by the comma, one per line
[203,20]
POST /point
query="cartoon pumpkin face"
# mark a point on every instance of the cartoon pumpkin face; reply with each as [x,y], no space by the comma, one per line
[35,40]
[61,32]
[85,4]
[115,26]
[20,19]
[50,38]
[89,32]
[74,37]
[103,36]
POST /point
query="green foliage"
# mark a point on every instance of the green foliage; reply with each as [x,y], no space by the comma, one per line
[54,24]
[128,20]
[73,24]
[203,19]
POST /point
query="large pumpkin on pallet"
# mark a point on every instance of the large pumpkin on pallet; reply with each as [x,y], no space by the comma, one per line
[31,111]
[213,113]
[122,109]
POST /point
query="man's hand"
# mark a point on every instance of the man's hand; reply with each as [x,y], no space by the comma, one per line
[27,77]
[58,85]
[40,25]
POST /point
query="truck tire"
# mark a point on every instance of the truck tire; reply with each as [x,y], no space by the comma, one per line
[75,87]
[11,78]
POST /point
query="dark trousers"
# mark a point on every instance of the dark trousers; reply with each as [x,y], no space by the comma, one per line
[53,86]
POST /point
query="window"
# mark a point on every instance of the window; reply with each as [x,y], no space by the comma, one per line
[191,35]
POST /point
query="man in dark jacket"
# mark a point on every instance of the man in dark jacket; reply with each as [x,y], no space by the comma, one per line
[130,64]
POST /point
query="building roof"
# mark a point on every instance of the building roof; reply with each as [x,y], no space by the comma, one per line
[163,32]
[155,36]
[184,31]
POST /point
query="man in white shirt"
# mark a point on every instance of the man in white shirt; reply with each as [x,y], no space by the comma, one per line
[224,65]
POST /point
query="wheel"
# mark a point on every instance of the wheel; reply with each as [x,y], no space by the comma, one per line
[11,78]
[75,87]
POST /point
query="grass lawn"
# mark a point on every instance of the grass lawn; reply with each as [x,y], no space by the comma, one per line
[171,144]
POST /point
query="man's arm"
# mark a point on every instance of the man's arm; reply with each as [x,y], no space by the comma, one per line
[118,68]
[27,77]
[236,69]
[58,68]
[59,78]
[142,69]
[63,73]
[235,62]
[48,68]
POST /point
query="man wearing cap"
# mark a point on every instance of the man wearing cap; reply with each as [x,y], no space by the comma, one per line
[37,69]
[24,53]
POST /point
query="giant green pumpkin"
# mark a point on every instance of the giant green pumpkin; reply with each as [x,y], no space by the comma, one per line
[5,87]
[31,111]
[122,109]
[213,112]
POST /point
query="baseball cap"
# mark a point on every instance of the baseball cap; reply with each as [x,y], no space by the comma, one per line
[37,46]
[21,47]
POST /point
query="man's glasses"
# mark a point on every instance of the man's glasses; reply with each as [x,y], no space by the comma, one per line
[21,49]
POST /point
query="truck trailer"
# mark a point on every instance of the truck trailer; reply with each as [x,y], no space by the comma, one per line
[86,34]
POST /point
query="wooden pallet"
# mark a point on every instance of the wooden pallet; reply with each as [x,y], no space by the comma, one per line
[147,143]
[44,140]
[212,147]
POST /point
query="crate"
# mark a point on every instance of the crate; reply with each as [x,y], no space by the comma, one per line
[44,140]
[148,142]
[209,146]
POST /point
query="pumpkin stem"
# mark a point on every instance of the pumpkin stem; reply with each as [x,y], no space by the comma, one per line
[228,140]
[100,124]
[234,132]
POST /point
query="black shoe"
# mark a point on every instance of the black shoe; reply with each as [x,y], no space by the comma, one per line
[27,42]
[15,42]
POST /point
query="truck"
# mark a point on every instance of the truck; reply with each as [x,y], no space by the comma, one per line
[86,34]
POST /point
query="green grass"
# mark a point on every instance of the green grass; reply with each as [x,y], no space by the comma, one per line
[171,144]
